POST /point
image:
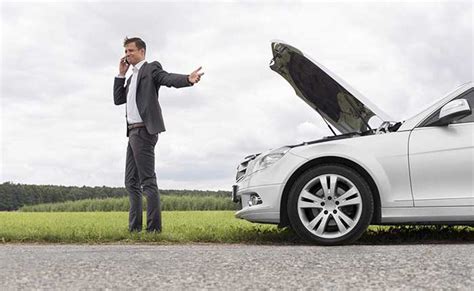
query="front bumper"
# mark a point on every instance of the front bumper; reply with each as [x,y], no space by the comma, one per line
[268,185]
[268,211]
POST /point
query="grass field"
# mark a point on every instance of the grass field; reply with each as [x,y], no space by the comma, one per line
[188,227]
[102,227]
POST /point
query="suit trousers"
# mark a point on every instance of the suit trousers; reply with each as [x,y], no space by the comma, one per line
[140,177]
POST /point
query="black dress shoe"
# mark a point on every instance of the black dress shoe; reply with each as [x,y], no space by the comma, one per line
[153,231]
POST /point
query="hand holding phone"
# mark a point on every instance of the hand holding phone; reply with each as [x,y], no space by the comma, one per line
[123,66]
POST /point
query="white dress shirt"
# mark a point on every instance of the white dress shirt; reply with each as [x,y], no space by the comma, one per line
[133,116]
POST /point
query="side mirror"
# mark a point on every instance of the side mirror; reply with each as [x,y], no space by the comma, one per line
[453,111]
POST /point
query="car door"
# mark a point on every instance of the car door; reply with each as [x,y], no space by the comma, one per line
[441,160]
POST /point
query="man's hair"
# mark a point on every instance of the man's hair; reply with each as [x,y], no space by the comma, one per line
[138,42]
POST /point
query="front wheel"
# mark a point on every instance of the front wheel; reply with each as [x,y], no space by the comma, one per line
[330,205]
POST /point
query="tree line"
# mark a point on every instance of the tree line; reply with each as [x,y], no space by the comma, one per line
[168,203]
[13,196]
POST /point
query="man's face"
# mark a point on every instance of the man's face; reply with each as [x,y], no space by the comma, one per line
[134,55]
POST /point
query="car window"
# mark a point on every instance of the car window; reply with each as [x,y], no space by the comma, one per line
[470,99]
[469,96]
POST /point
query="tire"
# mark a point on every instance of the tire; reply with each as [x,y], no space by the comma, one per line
[330,204]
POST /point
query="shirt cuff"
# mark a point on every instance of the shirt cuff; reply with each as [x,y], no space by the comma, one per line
[120,76]
[189,83]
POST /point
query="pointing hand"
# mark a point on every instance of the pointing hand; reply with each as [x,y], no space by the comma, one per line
[195,76]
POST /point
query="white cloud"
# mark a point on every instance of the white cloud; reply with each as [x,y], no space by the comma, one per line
[59,124]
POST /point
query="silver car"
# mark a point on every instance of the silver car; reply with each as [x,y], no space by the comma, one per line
[371,171]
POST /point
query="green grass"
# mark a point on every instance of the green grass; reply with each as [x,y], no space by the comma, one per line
[189,227]
[106,227]
[168,203]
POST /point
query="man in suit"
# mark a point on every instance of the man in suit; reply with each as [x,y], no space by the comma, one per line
[144,123]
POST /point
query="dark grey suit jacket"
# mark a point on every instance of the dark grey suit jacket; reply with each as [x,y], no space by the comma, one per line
[150,77]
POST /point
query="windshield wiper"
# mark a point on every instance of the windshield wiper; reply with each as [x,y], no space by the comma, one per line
[395,127]
[388,126]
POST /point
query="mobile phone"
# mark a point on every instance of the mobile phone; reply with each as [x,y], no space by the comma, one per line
[125,61]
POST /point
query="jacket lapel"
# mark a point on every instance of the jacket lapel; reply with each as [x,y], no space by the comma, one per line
[140,73]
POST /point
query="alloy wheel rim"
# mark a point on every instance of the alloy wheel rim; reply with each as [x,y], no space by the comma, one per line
[329,206]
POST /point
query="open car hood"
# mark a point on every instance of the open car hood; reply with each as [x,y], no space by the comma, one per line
[342,106]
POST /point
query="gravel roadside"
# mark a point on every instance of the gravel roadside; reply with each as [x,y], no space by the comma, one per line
[217,266]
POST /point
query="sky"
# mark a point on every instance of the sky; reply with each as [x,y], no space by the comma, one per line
[59,125]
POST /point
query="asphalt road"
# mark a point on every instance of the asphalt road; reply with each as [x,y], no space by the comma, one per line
[212,266]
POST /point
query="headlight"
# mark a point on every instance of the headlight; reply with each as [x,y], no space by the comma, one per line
[270,158]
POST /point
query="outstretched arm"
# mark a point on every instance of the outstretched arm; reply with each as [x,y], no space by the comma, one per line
[161,77]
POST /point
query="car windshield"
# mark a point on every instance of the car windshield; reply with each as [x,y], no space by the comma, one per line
[435,103]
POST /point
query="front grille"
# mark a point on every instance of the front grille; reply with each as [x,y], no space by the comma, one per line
[242,168]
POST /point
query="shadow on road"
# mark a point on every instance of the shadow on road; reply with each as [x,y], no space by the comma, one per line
[417,235]
[388,235]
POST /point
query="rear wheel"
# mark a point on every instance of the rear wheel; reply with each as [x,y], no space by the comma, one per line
[330,205]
